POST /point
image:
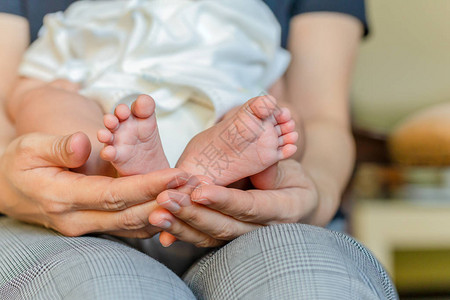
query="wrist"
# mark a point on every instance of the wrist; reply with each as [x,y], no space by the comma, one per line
[328,195]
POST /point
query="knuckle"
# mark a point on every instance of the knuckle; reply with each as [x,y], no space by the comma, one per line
[225,233]
[130,221]
[67,229]
[149,189]
[294,210]
[291,218]
[205,243]
[251,212]
[56,150]
[54,207]
[192,218]
[112,201]
[142,235]
[70,232]
[24,146]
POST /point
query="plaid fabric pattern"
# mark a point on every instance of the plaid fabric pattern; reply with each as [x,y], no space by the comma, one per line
[36,263]
[291,261]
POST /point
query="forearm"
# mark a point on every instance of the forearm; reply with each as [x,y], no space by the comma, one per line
[7,131]
[327,153]
[13,42]
[324,48]
[328,159]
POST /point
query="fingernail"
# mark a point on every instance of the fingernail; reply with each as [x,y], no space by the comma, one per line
[167,245]
[69,145]
[170,205]
[180,198]
[178,181]
[196,195]
[203,201]
[164,224]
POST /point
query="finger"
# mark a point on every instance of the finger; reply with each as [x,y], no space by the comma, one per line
[286,174]
[62,191]
[42,150]
[174,199]
[113,194]
[144,233]
[265,179]
[211,222]
[183,232]
[255,206]
[83,222]
[191,184]
[166,239]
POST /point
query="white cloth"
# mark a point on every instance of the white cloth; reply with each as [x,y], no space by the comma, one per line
[209,53]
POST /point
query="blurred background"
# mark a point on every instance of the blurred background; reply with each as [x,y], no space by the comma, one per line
[399,198]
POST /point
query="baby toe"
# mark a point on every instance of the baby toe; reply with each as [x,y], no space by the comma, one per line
[286,151]
[289,138]
[108,153]
[122,112]
[143,107]
[105,136]
[283,115]
[111,122]
[286,128]
[262,106]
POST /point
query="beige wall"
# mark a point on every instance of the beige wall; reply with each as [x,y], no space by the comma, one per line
[404,65]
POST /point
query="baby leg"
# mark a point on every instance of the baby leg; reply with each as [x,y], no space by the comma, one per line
[57,108]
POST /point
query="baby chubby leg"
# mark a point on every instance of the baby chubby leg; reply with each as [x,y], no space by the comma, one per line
[57,108]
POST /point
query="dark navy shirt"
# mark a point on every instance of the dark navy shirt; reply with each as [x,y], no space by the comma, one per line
[284,10]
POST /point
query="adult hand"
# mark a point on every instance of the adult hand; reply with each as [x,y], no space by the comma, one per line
[37,186]
[218,214]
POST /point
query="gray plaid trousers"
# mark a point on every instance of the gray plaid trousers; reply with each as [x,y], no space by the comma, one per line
[289,261]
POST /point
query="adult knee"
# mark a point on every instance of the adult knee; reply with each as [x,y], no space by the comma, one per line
[37,263]
[291,261]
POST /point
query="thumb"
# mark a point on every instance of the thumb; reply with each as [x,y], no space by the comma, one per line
[69,151]
[267,179]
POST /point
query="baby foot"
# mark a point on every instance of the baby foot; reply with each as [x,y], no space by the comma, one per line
[132,142]
[254,138]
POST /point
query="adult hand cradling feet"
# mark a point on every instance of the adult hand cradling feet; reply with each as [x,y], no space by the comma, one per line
[218,214]
[37,187]
[248,141]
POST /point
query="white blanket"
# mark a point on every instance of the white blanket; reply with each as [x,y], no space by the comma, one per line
[197,58]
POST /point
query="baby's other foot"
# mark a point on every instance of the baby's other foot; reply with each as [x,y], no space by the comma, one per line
[257,136]
[132,142]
